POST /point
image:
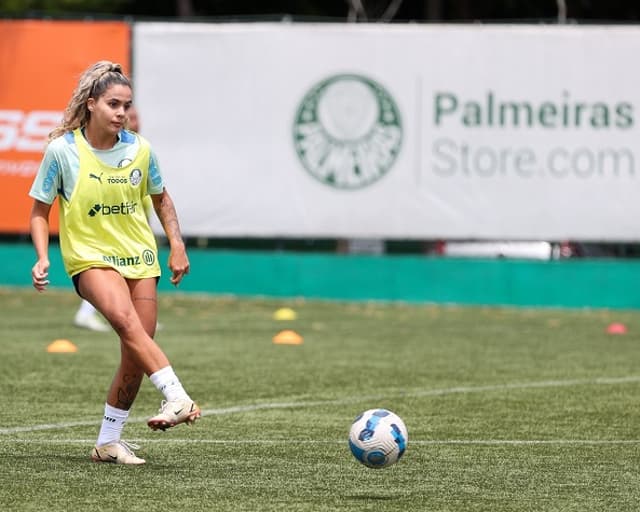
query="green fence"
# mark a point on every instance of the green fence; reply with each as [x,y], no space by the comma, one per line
[573,283]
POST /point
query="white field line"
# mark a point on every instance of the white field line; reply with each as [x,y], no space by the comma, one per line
[419,442]
[343,401]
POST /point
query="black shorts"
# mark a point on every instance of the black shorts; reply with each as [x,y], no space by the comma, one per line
[76,283]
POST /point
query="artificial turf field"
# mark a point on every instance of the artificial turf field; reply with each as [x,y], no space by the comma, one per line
[507,409]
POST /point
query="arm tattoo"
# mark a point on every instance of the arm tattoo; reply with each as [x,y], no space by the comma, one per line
[169,218]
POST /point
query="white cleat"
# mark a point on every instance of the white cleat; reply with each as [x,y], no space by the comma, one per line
[90,321]
[173,413]
[120,452]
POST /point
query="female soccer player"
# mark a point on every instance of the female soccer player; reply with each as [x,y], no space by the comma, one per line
[101,172]
[87,317]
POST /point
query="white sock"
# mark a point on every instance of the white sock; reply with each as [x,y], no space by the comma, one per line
[166,381]
[86,308]
[112,425]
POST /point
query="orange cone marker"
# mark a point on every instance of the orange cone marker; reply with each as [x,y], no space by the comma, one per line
[288,337]
[285,314]
[61,346]
[617,328]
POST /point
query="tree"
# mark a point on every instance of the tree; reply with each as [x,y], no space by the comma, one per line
[339,10]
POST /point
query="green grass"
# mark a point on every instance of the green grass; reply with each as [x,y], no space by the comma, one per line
[507,409]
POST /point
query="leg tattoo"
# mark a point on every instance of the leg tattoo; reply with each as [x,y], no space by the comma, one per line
[127,393]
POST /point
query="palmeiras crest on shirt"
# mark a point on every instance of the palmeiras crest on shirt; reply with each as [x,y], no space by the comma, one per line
[135,177]
[347,131]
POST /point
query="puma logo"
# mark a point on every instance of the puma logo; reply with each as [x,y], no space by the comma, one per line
[96,177]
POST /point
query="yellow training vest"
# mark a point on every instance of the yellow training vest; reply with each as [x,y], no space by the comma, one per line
[103,223]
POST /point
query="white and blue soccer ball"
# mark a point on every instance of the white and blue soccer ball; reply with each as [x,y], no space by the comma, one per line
[378,438]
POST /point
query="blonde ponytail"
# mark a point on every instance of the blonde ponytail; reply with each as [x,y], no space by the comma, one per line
[93,83]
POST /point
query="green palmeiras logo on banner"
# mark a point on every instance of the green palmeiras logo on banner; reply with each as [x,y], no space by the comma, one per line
[347,131]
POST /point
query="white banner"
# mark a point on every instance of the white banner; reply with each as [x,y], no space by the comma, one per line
[395,131]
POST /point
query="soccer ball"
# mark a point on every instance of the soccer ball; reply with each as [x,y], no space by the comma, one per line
[378,438]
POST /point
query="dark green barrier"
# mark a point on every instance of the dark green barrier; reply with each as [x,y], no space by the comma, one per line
[566,283]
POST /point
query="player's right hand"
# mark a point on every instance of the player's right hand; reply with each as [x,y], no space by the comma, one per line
[40,275]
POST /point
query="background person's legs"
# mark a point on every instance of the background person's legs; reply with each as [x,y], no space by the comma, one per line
[87,317]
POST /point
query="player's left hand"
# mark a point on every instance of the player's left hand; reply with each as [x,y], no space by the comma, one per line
[179,266]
